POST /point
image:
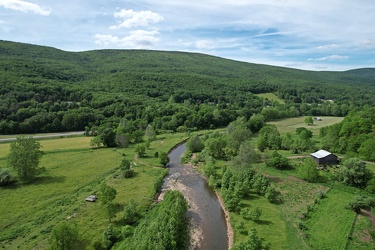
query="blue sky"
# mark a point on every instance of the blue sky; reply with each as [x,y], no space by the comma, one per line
[304,34]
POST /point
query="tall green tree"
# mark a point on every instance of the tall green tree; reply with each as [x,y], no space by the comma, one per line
[269,137]
[245,157]
[108,137]
[308,170]
[140,150]
[354,172]
[150,132]
[24,157]
[195,144]
[309,120]
[107,193]
[65,237]
[164,158]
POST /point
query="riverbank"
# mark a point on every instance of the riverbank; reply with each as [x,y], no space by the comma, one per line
[230,232]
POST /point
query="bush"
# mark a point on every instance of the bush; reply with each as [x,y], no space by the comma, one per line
[277,161]
[6,177]
[128,173]
[354,173]
[130,213]
[164,158]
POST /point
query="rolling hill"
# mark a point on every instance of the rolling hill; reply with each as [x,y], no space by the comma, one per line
[39,80]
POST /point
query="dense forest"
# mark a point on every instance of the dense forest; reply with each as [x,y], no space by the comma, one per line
[44,89]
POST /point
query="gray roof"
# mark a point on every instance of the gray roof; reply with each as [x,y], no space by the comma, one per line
[321,154]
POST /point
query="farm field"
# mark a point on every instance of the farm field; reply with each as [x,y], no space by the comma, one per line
[303,219]
[74,171]
[291,124]
[271,97]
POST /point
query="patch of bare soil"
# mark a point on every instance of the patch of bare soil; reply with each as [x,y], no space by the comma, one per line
[368,214]
[365,236]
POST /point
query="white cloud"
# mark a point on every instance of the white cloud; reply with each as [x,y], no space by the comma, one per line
[328,46]
[369,43]
[329,58]
[25,7]
[130,18]
[138,39]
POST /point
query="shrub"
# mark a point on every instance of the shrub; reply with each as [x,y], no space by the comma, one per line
[6,177]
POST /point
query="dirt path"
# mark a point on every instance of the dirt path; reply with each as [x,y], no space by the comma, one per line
[368,214]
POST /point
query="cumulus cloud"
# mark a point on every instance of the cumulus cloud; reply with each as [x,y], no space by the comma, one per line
[139,39]
[25,7]
[329,58]
[130,18]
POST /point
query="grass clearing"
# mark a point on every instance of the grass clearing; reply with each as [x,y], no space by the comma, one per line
[271,97]
[363,233]
[291,124]
[270,227]
[74,171]
[330,214]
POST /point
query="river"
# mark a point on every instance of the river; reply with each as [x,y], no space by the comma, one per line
[207,219]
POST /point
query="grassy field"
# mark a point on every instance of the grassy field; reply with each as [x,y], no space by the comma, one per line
[271,97]
[331,214]
[302,219]
[270,227]
[291,124]
[74,171]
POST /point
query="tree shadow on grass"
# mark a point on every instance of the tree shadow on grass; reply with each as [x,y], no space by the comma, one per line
[264,222]
[49,180]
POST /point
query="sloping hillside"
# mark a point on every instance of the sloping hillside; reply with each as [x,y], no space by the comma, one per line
[39,80]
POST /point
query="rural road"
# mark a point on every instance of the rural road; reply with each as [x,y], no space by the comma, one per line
[52,135]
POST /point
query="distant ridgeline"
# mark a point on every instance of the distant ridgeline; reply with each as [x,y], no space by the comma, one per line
[44,89]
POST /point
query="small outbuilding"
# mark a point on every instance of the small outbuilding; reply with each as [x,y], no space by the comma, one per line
[323,157]
[91,198]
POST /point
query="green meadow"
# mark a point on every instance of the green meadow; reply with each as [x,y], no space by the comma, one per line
[271,97]
[74,171]
[301,218]
[291,124]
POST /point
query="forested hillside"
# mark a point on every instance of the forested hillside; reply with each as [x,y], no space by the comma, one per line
[44,89]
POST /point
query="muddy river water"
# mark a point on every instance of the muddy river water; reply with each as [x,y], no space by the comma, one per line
[207,219]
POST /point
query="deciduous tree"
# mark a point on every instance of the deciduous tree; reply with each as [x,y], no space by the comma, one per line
[107,193]
[164,158]
[24,157]
[309,120]
[308,170]
[65,237]
[140,150]
[354,172]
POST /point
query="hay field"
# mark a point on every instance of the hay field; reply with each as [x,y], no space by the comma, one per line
[291,124]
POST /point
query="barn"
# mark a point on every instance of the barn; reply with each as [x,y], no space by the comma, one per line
[323,157]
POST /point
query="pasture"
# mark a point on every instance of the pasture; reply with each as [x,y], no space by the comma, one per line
[74,171]
[271,97]
[291,124]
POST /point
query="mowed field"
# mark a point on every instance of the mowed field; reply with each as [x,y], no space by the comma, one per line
[28,212]
[291,124]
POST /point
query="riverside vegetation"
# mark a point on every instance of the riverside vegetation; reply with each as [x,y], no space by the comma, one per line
[132,103]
